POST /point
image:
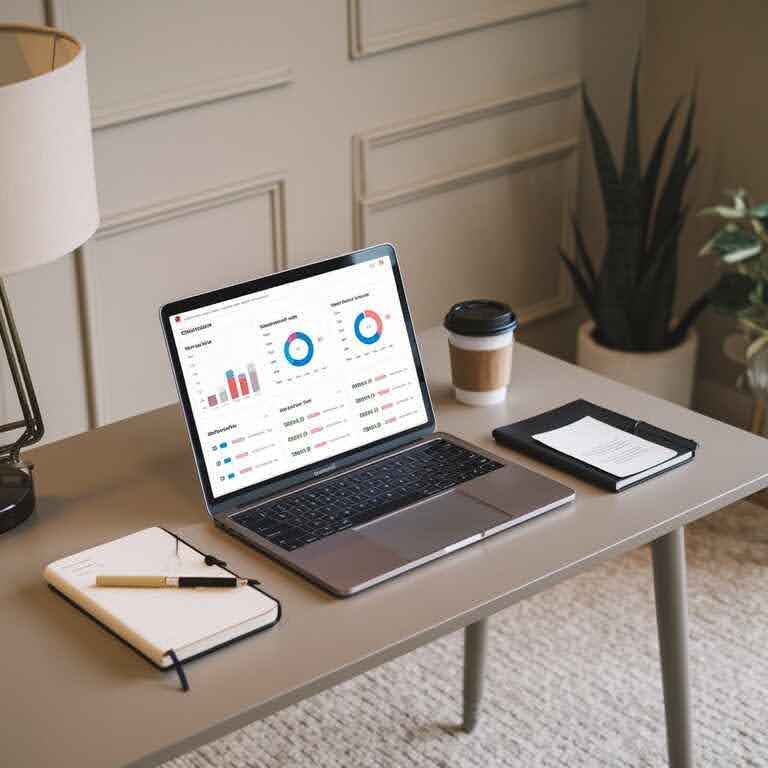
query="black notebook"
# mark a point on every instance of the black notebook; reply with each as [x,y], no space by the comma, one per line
[599,445]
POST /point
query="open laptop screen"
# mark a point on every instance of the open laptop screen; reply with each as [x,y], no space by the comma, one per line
[297,369]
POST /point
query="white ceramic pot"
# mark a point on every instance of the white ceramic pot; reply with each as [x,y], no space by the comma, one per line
[668,374]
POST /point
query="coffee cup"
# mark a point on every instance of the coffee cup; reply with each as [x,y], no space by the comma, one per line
[481,335]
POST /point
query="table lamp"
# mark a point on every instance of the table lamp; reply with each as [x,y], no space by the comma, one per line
[48,206]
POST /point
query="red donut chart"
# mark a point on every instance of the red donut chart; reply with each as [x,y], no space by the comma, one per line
[370,338]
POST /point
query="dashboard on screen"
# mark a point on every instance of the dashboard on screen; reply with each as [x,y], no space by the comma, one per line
[298,373]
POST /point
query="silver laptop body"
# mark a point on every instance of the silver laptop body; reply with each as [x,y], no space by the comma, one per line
[281,381]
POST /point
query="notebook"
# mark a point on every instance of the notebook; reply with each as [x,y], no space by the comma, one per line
[599,445]
[166,625]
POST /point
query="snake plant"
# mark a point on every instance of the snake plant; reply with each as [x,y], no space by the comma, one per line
[631,296]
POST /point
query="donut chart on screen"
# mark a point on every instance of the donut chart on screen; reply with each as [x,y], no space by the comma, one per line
[298,349]
[368,327]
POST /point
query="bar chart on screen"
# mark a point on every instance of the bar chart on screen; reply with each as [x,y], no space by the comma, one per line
[227,386]
[222,370]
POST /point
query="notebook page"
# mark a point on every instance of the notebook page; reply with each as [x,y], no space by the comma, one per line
[161,618]
[600,445]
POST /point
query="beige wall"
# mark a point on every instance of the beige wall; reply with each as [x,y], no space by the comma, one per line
[723,45]
[234,139]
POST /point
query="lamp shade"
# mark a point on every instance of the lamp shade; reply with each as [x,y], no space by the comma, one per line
[48,203]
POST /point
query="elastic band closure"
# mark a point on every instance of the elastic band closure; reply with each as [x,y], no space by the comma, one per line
[179,670]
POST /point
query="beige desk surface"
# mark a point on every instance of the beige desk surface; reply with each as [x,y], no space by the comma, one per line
[72,695]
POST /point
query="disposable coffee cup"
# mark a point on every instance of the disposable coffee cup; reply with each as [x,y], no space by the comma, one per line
[481,336]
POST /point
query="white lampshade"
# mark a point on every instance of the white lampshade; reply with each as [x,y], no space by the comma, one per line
[48,204]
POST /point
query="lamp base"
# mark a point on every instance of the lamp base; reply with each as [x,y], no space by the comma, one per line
[17,495]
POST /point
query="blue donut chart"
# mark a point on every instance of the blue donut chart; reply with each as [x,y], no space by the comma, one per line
[298,361]
[373,338]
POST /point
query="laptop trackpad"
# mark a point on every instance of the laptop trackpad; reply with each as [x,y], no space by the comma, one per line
[433,525]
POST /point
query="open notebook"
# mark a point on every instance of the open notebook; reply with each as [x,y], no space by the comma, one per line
[161,623]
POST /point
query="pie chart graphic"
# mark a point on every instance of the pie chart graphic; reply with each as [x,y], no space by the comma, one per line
[298,349]
[368,327]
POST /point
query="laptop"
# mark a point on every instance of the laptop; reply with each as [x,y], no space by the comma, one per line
[313,431]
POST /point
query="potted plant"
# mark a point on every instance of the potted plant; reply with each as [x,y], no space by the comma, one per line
[741,243]
[633,335]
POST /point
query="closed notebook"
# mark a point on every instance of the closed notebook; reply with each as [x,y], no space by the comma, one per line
[156,622]
[538,435]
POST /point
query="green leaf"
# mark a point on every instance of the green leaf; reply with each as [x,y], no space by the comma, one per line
[677,336]
[614,285]
[612,317]
[742,254]
[756,346]
[757,297]
[739,197]
[651,179]
[601,149]
[733,238]
[671,199]
[631,171]
[667,282]
[708,247]
[626,228]
[584,290]
[583,256]
[651,308]
[731,294]
[759,211]
[723,211]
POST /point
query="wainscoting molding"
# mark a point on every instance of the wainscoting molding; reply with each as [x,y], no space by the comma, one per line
[195,96]
[361,46]
[205,92]
[113,225]
[365,204]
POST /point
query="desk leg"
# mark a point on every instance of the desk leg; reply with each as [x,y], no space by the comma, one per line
[475,642]
[669,582]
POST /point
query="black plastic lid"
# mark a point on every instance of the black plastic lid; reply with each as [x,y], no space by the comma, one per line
[480,317]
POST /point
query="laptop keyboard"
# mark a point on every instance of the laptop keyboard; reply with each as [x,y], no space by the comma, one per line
[362,495]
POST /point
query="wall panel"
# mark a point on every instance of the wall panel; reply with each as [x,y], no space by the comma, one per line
[469,137]
[491,233]
[145,258]
[376,27]
[480,196]
[159,57]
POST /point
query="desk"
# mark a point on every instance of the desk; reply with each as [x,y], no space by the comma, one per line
[75,696]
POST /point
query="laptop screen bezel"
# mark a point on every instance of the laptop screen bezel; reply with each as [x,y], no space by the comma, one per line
[246,496]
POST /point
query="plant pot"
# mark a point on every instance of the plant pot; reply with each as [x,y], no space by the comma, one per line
[668,374]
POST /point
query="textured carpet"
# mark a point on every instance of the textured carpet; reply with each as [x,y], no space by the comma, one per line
[573,678]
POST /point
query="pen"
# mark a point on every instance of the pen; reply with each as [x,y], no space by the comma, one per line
[644,428]
[170,581]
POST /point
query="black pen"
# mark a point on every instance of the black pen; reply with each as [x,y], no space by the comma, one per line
[169,581]
[644,429]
